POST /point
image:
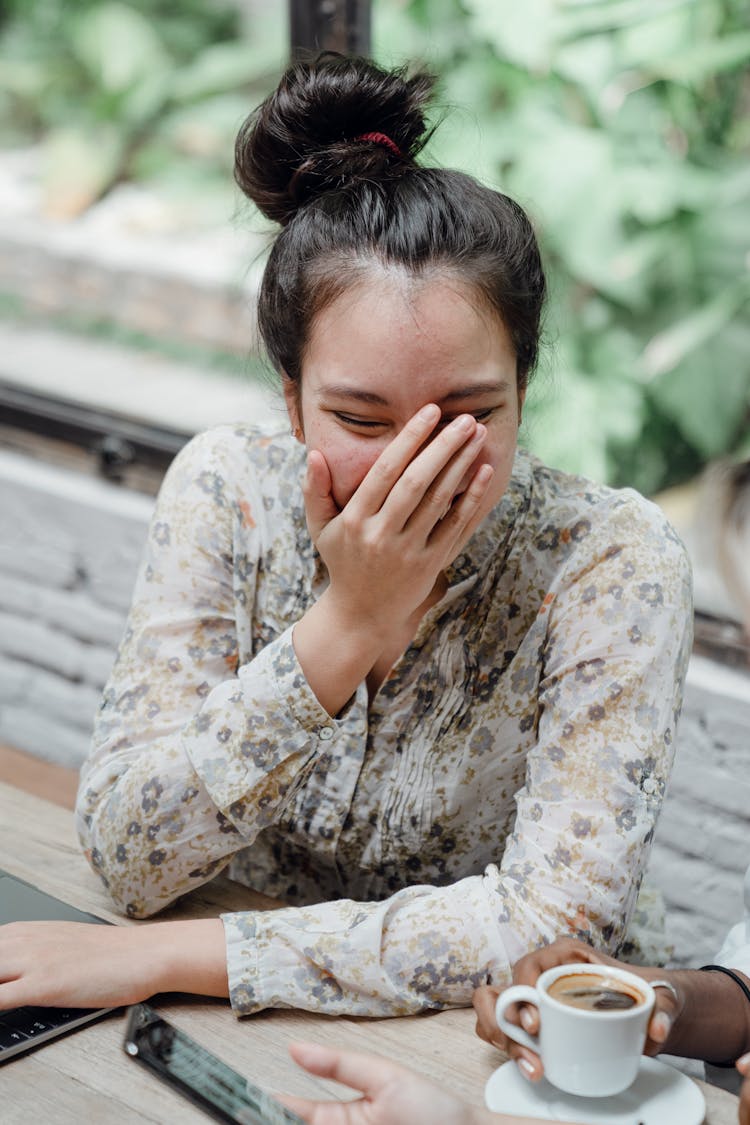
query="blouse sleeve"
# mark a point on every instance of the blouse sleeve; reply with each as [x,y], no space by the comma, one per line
[192,755]
[614,637]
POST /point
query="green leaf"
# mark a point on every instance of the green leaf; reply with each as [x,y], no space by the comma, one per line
[524,33]
[655,193]
[668,349]
[703,60]
[584,17]
[589,62]
[660,33]
[118,45]
[145,99]
[709,405]
[227,66]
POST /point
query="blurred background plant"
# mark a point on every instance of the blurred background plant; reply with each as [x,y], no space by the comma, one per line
[143,91]
[622,125]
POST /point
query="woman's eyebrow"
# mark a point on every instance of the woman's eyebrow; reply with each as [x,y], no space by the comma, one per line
[356,393]
[476,390]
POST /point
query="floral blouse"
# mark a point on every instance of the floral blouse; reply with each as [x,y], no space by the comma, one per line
[501,788]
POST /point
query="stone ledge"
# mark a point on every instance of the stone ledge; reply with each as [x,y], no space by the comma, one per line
[41,281]
[134,383]
[173,266]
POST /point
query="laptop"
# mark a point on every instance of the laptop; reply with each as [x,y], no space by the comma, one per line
[21,1029]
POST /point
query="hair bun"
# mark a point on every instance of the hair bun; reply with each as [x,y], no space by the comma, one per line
[303,139]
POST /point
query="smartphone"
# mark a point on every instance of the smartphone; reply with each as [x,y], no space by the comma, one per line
[202,1077]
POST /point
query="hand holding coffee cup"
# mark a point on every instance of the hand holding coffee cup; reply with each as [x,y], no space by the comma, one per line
[593,1021]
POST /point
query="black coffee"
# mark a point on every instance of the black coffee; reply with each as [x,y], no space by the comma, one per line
[594,993]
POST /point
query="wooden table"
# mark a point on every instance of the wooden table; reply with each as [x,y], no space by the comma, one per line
[86,1076]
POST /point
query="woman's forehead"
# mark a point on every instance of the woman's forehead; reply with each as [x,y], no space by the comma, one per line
[375,283]
[433,330]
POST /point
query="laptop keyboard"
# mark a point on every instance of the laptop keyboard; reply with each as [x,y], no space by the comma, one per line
[20,1026]
[23,1028]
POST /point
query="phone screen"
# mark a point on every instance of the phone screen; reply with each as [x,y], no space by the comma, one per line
[200,1075]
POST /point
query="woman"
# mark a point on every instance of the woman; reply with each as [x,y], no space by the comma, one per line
[385,668]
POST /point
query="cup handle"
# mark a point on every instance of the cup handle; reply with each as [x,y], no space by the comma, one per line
[514,995]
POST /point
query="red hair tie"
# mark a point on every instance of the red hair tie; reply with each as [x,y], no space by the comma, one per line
[381,139]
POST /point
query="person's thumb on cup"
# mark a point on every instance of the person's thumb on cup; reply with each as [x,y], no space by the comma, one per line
[659,1029]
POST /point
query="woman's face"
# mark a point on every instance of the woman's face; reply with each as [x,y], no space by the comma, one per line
[385,348]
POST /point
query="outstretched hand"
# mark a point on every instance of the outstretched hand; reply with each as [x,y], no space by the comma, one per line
[391,1094]
[527,971]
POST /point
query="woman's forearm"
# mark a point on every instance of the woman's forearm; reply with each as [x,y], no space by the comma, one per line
[336,655]
[191,956]
[82,965]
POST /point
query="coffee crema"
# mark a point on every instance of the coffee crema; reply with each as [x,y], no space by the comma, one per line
[594,993]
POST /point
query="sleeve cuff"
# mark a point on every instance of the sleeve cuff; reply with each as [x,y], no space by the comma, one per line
[243,971]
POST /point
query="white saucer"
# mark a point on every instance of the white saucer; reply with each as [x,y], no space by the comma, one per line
[660,1095]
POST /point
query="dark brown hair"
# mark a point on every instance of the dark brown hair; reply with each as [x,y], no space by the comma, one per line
[343,202]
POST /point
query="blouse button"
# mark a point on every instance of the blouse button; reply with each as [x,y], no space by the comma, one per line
[325,733]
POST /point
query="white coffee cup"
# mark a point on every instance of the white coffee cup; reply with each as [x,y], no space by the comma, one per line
[586,1052]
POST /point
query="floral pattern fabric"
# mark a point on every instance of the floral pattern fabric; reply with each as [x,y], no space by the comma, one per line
[501,787]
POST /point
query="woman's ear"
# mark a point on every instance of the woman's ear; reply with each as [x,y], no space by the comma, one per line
[291,399]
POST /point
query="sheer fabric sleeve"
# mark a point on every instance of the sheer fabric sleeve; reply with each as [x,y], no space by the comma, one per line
[735,952]
[193,755]
[613,641]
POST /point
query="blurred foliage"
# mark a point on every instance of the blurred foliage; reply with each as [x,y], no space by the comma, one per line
[623,126]
[132,90]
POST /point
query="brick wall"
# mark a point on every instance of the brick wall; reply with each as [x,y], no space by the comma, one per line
[69,549]
[702,846]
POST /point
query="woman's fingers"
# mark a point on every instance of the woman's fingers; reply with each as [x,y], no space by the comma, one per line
[659,1027]
[391,1094]
[527,1061]
[463,515]
[417,475]
[317,1113]
[426,490]
[484,1001]
[529,1064]
[303,1107]
[366,1073]
[394,460]
[320,506]
[563,951]
[485,1005]
[667,1007]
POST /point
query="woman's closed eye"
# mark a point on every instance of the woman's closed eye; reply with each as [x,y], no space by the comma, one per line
[477,415]
[373,424]
[359,423]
